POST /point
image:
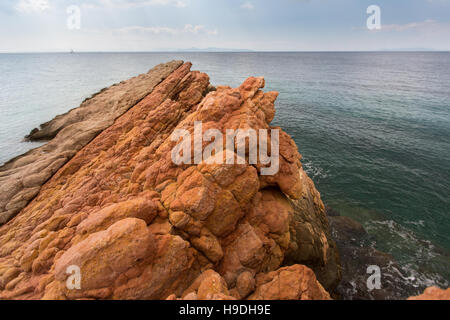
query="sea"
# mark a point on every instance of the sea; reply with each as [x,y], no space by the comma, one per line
[373,129]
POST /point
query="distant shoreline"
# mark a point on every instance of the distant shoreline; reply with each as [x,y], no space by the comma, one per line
[187,51]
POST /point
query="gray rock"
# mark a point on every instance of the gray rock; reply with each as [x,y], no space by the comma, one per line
[311,241]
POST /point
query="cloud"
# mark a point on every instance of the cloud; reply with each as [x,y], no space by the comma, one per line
[153,30]
[188,28]
[408,26]
[247,5]
[134,3]
[32,5]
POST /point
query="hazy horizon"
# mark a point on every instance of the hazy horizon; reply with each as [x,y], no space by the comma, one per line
[236,51]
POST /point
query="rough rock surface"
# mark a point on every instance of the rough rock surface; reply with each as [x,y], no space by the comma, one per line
[22,177]
[141,227]
[433,293]
[296,282]
[290,283]
[310,234]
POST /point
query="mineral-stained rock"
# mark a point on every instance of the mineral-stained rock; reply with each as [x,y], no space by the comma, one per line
[22,177]
[245,284]
[290,283]
[296,282]
[140,226]
[105,255]
[433,293]
[212,284]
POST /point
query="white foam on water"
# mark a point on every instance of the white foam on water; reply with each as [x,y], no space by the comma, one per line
[314,172]
[420,254]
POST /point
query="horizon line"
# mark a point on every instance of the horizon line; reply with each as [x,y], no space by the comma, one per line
[223,51]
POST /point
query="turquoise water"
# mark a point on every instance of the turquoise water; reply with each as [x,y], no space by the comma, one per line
[373,128]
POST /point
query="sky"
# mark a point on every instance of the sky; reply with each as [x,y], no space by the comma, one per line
[260,25]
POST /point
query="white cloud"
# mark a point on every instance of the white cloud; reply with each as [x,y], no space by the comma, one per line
[247,5]
[214,32]
[193,29]
[135,3]
[408,26]
[188,28]
[153,30]
[32,5]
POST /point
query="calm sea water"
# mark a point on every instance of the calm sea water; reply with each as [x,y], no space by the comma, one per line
[373,128]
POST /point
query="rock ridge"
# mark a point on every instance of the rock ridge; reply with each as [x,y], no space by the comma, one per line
[138,226]
[22,177]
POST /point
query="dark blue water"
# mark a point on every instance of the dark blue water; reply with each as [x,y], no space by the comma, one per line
[373,128]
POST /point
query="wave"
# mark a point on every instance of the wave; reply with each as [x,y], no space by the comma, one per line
[315,172]
[421,262]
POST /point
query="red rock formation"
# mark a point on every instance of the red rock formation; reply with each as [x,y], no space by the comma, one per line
[141,227]
[289,283]
[433,293]
[22,177]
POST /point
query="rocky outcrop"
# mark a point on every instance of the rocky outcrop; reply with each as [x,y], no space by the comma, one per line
[21,178]
[296,282]
[433,293]
[139,226]
[290,283]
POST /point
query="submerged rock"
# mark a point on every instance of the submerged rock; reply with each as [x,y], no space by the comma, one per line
[358,256]
[139,226]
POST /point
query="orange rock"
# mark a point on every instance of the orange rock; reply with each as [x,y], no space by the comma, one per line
[104,255]
[245,284]
[433,293]
[211,285]
[290,283]
[140,226]
[22,177]
[141,208]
